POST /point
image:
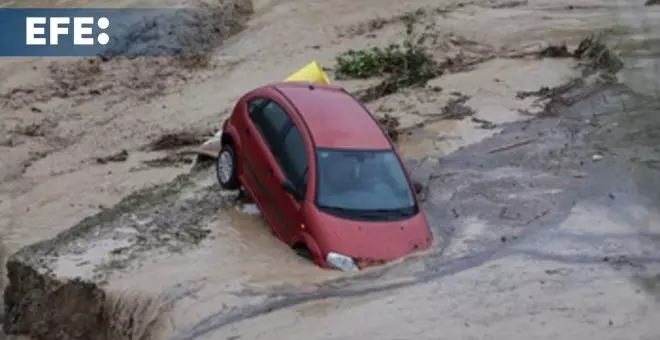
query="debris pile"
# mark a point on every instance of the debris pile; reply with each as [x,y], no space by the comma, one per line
[120,156]
[391,125]
[177,140]
[591,49]
[456,108]
[402,64]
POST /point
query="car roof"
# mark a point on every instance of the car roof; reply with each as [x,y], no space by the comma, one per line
[334,118]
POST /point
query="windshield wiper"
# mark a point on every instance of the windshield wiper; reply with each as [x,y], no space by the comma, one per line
[374,213]
[391,213]
[396,212]
[340,209]
[368,214]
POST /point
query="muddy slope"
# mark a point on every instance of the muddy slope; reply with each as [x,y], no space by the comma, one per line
[39,301]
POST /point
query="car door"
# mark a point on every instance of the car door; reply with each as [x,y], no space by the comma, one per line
[268,123]
[292,162]
[248,156]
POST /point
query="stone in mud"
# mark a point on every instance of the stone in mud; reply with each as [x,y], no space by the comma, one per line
[58,288]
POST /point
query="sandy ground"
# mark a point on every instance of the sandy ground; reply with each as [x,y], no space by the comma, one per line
[564,279]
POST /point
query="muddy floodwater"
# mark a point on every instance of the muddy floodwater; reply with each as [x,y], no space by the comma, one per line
[541,176]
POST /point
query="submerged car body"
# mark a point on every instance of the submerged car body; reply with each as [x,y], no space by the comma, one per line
[324,174]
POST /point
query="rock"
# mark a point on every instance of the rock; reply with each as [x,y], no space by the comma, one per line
[652,2]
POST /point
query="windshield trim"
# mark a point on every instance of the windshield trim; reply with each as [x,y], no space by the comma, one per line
[414,207]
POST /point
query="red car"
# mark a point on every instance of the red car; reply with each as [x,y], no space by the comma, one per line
[324,174]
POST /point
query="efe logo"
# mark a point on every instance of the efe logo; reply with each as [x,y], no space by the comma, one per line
[35,30]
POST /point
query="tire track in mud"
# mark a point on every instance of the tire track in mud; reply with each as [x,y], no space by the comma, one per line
[435,269]
[554,166]
[214,322]
[442,269]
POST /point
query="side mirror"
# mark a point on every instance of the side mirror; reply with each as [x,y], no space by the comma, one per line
[288,187]
[417,186]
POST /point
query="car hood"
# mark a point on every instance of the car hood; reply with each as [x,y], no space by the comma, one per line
[373,243]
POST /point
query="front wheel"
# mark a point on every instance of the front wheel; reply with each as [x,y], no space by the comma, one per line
[226,168]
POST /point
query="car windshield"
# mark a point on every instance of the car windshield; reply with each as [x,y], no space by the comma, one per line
[371,180]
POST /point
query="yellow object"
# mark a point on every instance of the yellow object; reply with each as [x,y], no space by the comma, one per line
[312,72]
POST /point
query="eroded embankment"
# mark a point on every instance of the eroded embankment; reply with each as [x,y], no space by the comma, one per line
[51,291]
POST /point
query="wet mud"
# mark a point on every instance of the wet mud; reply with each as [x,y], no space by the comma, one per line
[488,201]
[177,140]
[539,190]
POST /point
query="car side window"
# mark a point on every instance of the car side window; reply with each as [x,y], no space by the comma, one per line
[272,121]
[293,158]
[255,104]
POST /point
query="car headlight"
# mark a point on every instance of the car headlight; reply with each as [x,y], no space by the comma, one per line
[341,262]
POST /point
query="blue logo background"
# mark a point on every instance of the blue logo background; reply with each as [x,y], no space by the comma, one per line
[132,32]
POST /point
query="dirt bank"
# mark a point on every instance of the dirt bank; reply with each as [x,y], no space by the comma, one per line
[505,195]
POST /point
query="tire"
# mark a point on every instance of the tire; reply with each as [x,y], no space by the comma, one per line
[305,253]
[226,168]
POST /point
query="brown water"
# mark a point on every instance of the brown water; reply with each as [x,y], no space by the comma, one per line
[241,265]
